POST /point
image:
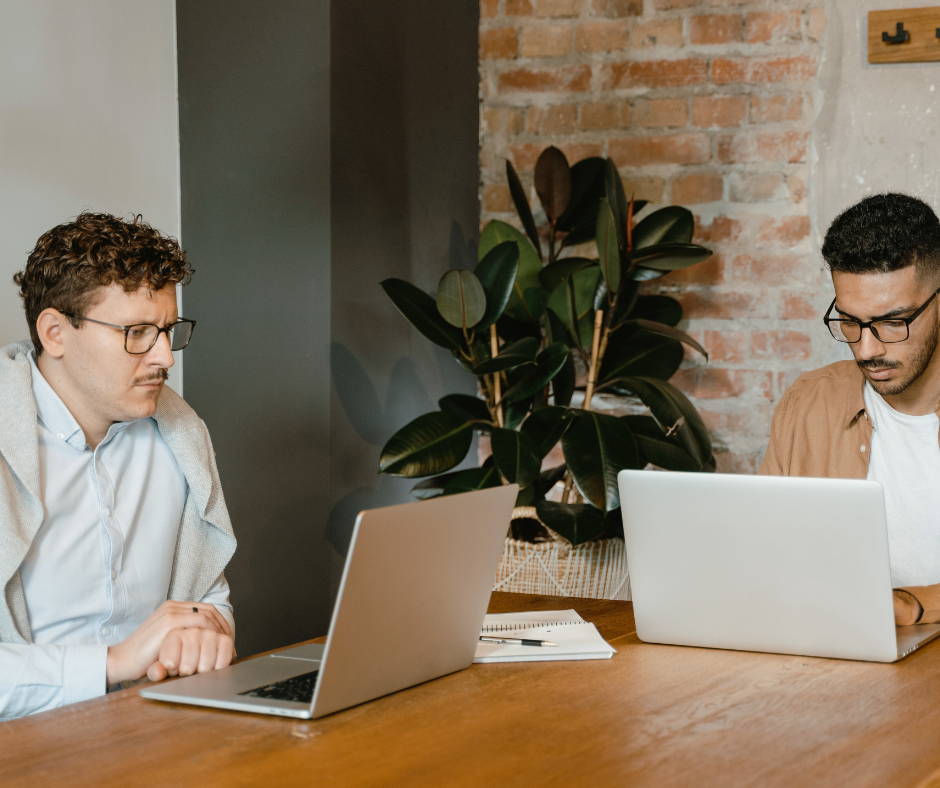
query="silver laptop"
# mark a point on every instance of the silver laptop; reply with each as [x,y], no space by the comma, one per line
[763,563]
[411,602]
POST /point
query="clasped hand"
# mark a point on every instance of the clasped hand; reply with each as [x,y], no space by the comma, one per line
[174,640]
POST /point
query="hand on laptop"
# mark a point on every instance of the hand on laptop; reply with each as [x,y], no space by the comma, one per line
[907,609]
[173,641]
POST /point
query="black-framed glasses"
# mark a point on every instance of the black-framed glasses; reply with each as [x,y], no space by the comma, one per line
[886,330]
[139,338]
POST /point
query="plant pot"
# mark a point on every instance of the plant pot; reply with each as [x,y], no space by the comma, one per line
[595,569]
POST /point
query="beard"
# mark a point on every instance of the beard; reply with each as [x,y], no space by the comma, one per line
[909,372]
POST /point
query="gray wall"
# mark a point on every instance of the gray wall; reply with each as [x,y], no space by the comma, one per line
[254,154]
[288,258]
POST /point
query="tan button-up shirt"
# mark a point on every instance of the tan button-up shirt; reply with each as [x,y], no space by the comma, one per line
[821,428]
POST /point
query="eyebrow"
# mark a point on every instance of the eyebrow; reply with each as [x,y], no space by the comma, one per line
[899,312]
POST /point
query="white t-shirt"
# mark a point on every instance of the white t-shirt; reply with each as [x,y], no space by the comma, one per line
[905,459]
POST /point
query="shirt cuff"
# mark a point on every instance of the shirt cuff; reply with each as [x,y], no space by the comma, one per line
[85,673]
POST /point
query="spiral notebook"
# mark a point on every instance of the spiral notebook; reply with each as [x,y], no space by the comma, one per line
[576,638]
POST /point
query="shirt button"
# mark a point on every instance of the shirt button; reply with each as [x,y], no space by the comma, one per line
[60,436]
[106,631]
[107,511]
[113,575]
[862,448]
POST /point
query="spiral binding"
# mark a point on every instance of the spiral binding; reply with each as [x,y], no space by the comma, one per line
[530,625]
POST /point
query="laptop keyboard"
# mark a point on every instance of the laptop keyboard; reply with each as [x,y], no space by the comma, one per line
[297,688]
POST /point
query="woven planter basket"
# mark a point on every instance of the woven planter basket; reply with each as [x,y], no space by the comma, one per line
[595,569]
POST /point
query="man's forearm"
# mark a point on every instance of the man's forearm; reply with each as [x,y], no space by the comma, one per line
[929,599]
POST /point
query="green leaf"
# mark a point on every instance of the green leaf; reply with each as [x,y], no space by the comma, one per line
[510,357]
[563,383]
[659,308]
[497,273]
[551,477]
[465,406]
[546,426]
[576,522]
[516,456]
[637,353]
[547,364]
[597,447]
[472,479]
[587,187]
[668,331]
[517,192]
[608,249]
[528,496]
[669,257]
[535,299]
[581,235]
[419,309]
[656,448]
[461,299]
[516,412]
[553,182]
[674,413]
[431,487]
[530,263]
[431,444]
[555,273]
[585,283]
[673,224]
[617,199]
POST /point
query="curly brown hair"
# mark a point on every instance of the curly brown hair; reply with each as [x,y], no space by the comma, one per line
[73,261]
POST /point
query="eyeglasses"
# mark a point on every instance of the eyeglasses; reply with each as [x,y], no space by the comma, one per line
[886,330]
[138,339]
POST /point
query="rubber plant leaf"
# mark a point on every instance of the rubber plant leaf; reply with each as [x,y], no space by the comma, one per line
[673,224]
[511,356]
[419,309]
[497,273]
[656,448]
[617,199]
[634,352]
[431,444]
[669,257]
[563,384]
[587,187]
[472,479]
[465,406]
[546,426]
[597,447]
[669,331]
[608,250]
[659,308]
[548,363]
[461,299]
[555,273]
[553,182]
[517,192]
[576,522]
[530,263]
[516,457]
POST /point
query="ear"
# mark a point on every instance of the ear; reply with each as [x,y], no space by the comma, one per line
[50,325]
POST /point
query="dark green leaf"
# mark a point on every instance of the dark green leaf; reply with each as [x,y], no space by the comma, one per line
[563,384]
[431,488]
[614,520]
[626,301]
[547,364]
[668,331]
[555,273]
[511,356]
[420,310]
[551,477]
[656,448]
[669,257]
[673,224]
[517,192]
[530,263]
[516,456]
[465,406]
[546,426]
[497,273]
[472,479]
[617,199]
[587,187]
[431,444]
[585,283]
[535,299]
[576,522]
[581,235]
[597,447]
[461,299]
[674,413]
[660,308]
[528,496]
[638,353]
[553,182]
[515,412]
[608,249]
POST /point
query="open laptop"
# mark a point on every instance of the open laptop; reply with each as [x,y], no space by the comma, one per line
[411,602]
[763,563]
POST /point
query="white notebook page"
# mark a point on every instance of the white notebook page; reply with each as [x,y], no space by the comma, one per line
[576,638]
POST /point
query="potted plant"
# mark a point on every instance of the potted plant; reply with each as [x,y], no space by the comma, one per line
[538,325]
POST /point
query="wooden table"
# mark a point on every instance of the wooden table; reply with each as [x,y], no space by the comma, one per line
[651,716]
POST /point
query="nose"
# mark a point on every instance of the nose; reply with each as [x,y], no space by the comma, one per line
[160,354]
[869,346]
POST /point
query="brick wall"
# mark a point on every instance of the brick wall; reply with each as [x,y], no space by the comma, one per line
[702,103]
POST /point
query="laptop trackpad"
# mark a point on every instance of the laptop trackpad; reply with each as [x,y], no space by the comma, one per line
[312,652]
[911,637]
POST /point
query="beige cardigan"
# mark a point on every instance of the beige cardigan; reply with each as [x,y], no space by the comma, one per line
[205,543]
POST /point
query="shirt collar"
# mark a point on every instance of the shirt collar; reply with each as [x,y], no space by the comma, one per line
[56,417]
[855,401]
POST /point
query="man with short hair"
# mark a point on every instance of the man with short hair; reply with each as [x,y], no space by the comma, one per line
[877,417]
[113,530]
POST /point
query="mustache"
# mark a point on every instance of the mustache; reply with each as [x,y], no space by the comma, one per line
[160,375]
[876,366]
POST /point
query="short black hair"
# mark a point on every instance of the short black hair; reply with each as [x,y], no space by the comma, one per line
[882,233]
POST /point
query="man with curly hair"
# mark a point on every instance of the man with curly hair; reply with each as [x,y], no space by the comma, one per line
[877,417]
[113,530]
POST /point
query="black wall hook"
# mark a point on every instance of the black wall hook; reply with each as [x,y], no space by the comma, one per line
[899,37]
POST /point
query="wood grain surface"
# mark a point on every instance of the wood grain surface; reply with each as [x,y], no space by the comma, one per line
[651,716]
[922,44]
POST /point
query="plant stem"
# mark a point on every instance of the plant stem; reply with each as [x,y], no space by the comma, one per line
[494,351]
[595,348]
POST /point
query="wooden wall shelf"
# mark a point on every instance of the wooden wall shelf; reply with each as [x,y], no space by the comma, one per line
[921,44]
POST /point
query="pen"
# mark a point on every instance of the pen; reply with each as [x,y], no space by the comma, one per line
[516,641]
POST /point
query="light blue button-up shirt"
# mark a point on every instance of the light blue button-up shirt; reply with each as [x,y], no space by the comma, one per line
[101,561]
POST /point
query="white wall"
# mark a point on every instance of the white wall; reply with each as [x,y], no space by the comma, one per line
[88,120]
